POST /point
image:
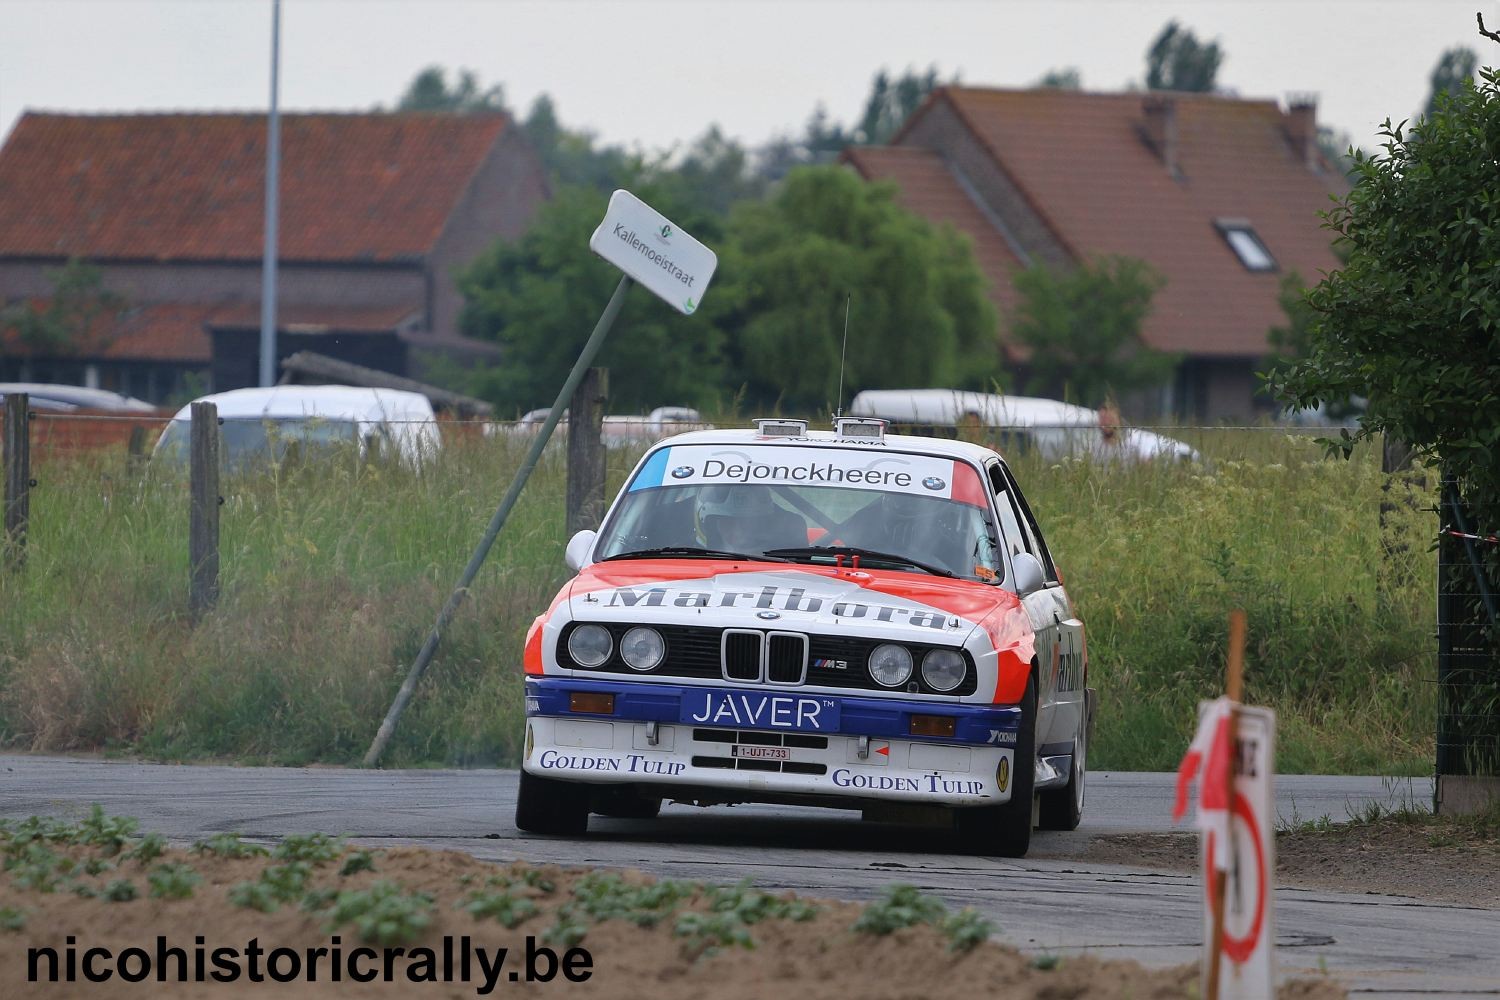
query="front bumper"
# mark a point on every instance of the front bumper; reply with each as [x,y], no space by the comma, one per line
[653,739]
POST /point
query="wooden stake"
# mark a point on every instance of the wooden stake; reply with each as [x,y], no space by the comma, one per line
[1234,686]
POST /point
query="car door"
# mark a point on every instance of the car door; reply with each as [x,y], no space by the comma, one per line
[1059,634]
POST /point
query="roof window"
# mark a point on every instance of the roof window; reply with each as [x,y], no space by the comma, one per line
[1242,239]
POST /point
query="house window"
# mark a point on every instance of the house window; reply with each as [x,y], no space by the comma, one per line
[1242,239]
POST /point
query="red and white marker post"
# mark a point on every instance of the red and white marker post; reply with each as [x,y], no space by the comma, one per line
[1234,750]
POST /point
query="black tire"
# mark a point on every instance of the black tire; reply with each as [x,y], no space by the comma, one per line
[1005,830]
[546,805]
[626,803]
[1062,808]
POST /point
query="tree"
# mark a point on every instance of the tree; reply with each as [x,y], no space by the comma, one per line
[70,320]
[429,91]
[1083,327]
[539,297]
[1454,69]
[918,311]
[573,157]
[1067,78]
[891,103]
[1412,321]
[1178,61]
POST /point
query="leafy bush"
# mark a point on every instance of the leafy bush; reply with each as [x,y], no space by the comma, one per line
[121,890]
[229,845]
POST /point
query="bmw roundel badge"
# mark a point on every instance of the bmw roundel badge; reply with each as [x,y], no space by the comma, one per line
[682,472]
[933,483]
[768,615]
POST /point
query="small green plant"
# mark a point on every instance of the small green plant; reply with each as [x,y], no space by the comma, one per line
[286,882]
[37,867]
[356,862]
[1046,963]
[12,918]
[705,933]
[966,929]
[539,880]
[900,906]
[173,881]
[108,833]
[229,845]
[383,914]
[751,906]
[148,848]
[318,900]
[121,890]
[316,848]
[500,906]
[254,896]
[97,866]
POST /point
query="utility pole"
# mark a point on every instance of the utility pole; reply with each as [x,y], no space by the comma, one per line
[273,174]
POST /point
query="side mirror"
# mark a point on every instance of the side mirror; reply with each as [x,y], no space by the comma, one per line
[576,555]
[1030,576]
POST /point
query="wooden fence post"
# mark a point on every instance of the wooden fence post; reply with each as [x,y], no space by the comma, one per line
[203,510]
[18,480]
[586,455]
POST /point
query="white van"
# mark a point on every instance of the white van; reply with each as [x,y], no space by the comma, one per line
[262,424]
[1021,424]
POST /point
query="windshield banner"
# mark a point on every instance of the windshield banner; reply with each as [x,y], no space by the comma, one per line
[772,465]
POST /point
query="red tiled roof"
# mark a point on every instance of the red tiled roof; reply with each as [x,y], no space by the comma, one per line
[317,319]
[177,331]
[926,187]
[354,187]
[1081,162]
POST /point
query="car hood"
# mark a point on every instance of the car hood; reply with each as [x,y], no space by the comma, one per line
[722,594]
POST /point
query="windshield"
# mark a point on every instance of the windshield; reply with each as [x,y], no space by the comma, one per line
[908,520]
[249,441]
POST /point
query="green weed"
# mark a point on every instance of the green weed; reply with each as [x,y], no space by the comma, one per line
[173,881]
[12,918]
[356,862]
[121,890]
[383,914]
[229,845]
[498,905]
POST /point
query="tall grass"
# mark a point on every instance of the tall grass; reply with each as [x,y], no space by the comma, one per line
[332,575]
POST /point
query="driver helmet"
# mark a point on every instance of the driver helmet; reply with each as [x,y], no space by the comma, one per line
[736,510]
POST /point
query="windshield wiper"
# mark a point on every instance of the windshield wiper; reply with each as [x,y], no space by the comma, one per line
[847,550]
[693,552]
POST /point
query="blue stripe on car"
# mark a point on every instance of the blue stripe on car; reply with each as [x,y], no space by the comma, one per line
[880,718]
[652,472]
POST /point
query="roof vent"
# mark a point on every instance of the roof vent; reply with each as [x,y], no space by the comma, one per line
[860,428]
[778,428]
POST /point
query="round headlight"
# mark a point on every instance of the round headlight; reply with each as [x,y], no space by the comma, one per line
[890,665]
[642,648]
[590,645]
[943,669]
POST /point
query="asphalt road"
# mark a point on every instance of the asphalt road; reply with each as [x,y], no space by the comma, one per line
[1052,902]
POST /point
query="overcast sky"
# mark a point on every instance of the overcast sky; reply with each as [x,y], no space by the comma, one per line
[657,72]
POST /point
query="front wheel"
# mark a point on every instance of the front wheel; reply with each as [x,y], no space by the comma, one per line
[1062,808]
[546,805]
[1005,830]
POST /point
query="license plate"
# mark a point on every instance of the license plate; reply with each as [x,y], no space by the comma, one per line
[760,710]
[762,753]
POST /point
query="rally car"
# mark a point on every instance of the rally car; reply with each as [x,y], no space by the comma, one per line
[847,618]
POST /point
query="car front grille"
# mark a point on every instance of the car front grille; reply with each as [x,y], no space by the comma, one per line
[789,658]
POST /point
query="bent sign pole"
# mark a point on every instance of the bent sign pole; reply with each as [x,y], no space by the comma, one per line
[649,249]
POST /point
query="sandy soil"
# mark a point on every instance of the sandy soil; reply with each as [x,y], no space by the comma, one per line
[1424,858]
[819,959]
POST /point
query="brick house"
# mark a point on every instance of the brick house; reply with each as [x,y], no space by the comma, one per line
[377,213]
[1220,195]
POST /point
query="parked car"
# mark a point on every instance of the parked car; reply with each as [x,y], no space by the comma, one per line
[261,425]
[617,431]
[1018,424]
[843,618]
[67,398]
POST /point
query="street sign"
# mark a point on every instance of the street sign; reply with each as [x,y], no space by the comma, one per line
[644,244]
[1247,963]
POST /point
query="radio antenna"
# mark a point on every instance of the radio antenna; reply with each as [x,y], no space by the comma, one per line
[838,410]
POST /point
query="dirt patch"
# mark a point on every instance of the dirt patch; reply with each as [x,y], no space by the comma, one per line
[1407,854]
[643,937]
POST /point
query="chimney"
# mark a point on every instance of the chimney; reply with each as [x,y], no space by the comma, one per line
[1160,129]
[1302,127]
